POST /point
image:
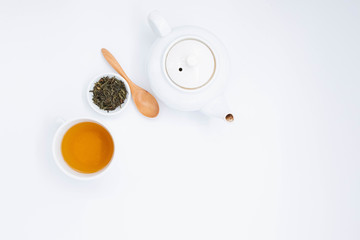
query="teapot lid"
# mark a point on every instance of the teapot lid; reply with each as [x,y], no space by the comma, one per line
[190,63]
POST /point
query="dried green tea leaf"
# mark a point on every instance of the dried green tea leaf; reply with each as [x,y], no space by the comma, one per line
[109,93]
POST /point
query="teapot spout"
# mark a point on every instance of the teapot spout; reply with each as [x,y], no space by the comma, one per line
[218,107]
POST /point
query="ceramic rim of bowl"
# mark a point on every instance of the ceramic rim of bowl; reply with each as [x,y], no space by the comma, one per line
[89,95]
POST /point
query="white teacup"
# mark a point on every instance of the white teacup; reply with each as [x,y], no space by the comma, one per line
[59,159]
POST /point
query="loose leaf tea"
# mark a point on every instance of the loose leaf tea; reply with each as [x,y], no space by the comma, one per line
[109,93]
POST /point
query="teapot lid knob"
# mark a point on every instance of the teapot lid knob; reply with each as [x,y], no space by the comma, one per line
[192,60]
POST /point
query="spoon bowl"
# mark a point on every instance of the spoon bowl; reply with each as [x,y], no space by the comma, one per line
[146,103]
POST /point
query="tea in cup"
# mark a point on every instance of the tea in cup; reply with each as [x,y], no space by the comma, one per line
[83,148]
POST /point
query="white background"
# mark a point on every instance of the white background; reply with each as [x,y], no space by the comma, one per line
[287,168]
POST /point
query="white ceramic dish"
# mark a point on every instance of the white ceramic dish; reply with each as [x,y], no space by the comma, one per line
[58,157]
[90,95]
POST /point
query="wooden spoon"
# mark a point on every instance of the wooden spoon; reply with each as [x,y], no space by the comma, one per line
[144,101]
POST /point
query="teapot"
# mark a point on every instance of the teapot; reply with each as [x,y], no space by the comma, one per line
[188,68]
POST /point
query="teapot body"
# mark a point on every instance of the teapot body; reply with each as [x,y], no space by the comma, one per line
[188,66]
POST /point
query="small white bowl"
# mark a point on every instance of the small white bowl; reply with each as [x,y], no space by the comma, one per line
[90,95]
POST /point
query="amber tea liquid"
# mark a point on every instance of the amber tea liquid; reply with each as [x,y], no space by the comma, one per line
[87,147]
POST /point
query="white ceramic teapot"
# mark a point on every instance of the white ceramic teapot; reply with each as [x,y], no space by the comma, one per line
[188,68]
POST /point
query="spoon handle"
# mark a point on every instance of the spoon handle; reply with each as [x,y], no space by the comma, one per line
[115,64]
